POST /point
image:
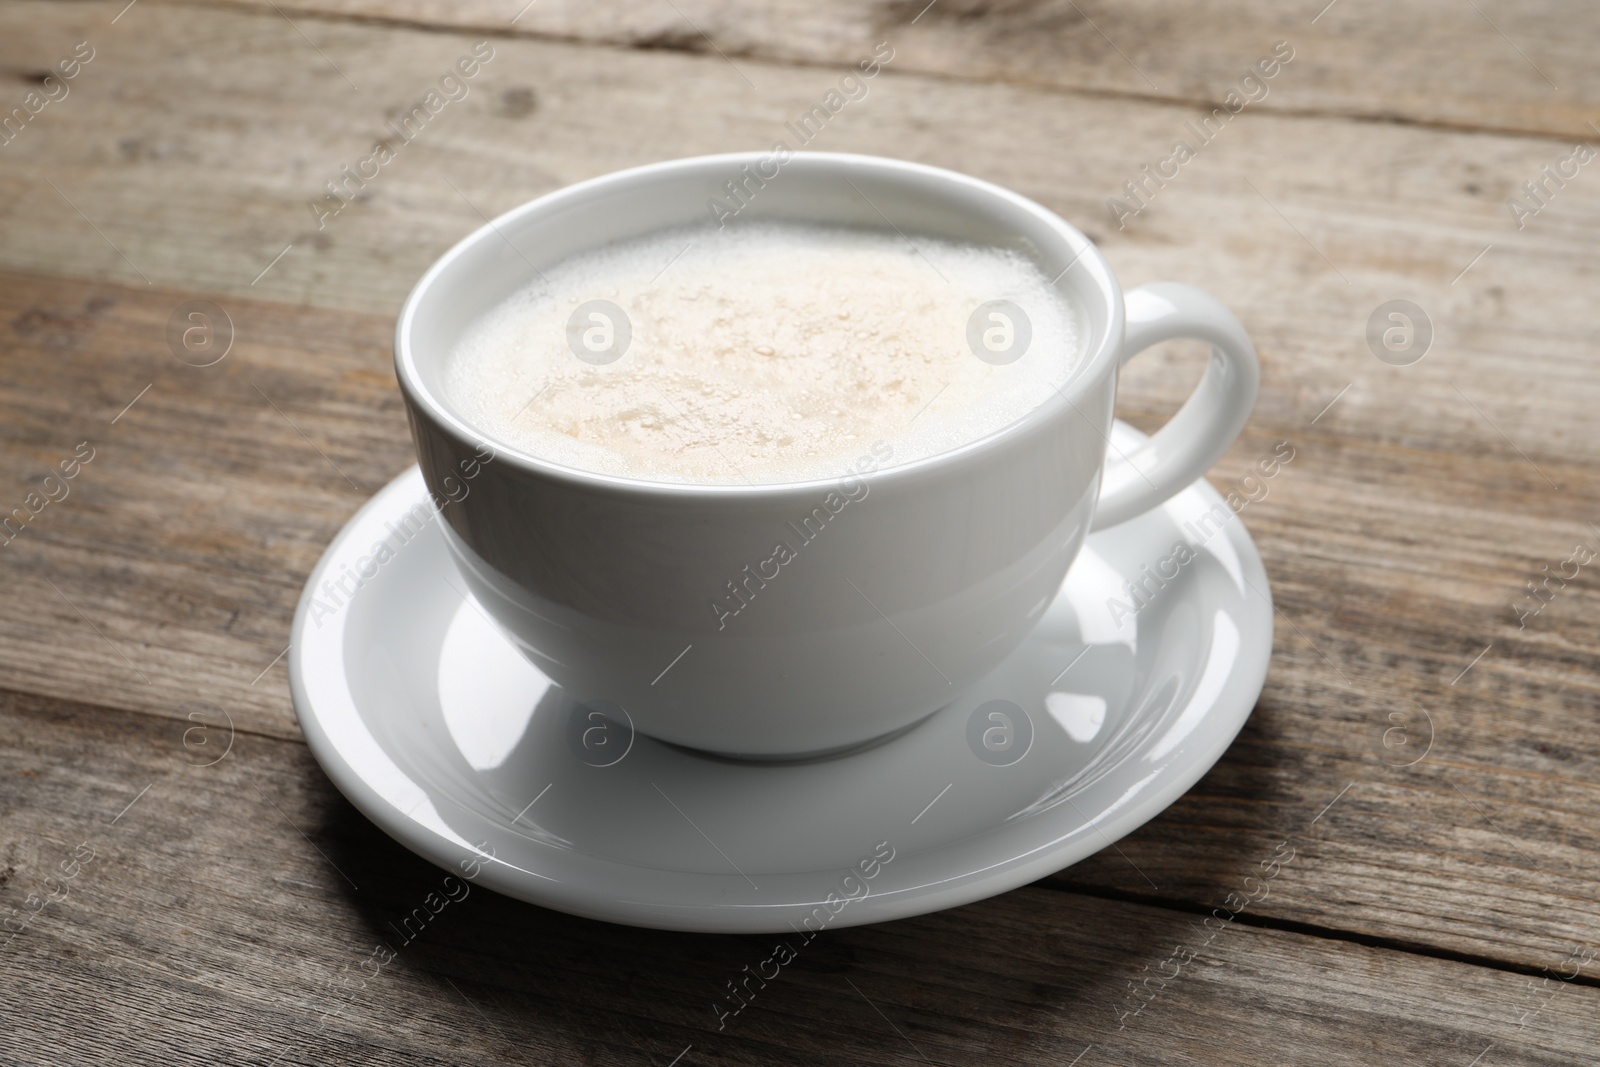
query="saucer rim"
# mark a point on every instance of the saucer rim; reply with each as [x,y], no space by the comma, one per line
[1223,721]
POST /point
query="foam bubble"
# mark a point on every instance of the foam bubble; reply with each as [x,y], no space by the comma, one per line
[763,353]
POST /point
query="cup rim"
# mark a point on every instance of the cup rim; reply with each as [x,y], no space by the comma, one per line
[1100,350]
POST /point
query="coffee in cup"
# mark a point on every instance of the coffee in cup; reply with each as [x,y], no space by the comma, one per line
[764,352]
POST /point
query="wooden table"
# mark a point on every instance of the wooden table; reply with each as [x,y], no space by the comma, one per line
[1428,742]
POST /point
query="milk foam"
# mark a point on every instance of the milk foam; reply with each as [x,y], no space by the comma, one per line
[764,353]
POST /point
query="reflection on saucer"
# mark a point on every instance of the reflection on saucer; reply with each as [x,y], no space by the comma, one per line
[485,696]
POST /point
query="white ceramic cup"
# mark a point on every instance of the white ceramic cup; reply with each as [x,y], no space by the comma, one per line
[931,575]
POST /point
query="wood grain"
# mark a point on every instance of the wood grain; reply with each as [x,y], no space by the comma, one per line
[1510,67]
[1396,540]
[1421,500]
[172,565]
[231,914]
[1305,225]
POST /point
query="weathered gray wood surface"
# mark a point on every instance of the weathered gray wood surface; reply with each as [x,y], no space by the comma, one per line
[1425,901]
[205,928]
[1525,67]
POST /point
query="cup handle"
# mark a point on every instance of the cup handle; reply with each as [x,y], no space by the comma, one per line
[1204,428]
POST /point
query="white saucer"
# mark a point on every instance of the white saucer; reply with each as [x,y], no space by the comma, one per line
[443,735]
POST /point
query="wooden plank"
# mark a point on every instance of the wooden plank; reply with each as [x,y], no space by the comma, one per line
[1491,66]
[172,564]
[1397,540]
[241,913]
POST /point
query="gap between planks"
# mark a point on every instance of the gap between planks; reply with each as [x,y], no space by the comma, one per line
[1161,99]
[1314,930]
[1170,904]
